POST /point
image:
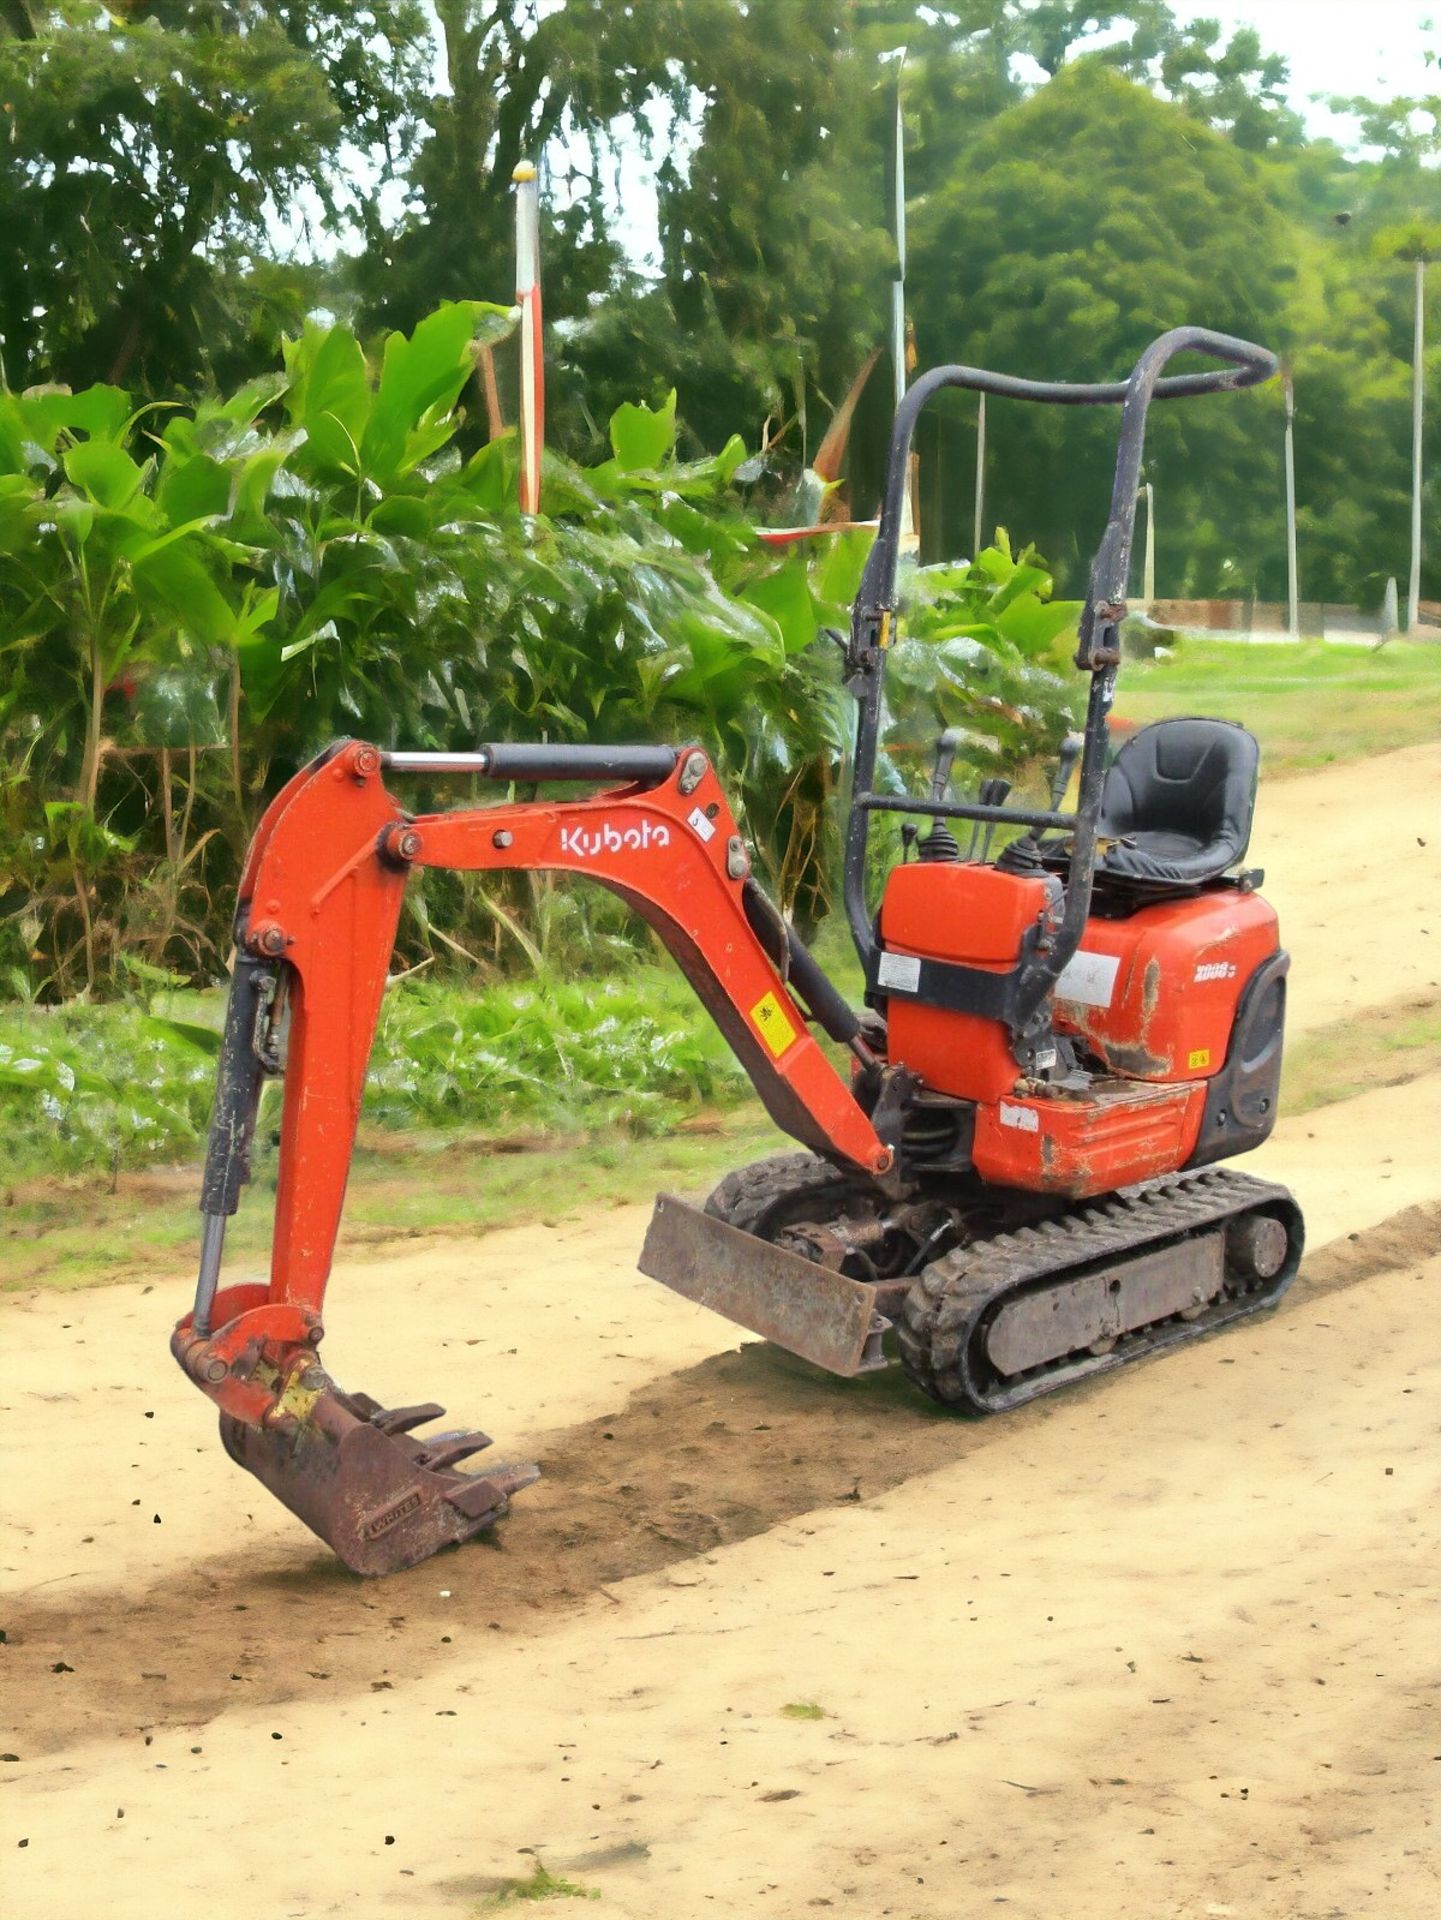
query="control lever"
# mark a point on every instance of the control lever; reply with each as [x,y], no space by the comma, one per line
[986,796]
[940,843]
[946,749]
[993,794]
[1071,748]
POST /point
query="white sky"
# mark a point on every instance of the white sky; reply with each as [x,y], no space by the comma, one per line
[1370,47]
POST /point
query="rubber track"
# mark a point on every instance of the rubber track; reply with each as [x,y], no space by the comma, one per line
[950,1298]
[749,1196]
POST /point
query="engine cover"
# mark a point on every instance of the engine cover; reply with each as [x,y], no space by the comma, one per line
[1154,995]
[973,916]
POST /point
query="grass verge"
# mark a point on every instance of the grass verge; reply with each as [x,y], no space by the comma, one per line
[1381,1047]
[78,1232]
[1309,706]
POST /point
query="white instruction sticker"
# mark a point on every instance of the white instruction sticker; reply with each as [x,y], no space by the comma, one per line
[1023,1119]
[697,820]
[1089,979]
[901,971]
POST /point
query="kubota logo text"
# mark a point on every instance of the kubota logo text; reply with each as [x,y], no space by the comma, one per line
[584,843]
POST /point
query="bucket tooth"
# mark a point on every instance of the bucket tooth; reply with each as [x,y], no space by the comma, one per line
[380,1498]
[510,1480]
[401,1419]
[449,1449]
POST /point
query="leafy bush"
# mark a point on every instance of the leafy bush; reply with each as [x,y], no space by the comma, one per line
[95,1086]
[91,1087]
[196,600]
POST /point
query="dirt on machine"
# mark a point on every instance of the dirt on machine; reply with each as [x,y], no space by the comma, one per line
[1015,1185]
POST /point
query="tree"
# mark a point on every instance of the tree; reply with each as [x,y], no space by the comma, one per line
[151,148]
[1092,218]
[777,234]
[519,77]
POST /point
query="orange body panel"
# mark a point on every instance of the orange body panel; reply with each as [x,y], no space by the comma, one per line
[1156,993]
[1153,996]
[1119,1131]
[972,916]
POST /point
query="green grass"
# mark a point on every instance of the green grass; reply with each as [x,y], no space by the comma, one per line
[1309,705]
[78,1231]
[113,1086]
[1382,1047]
[803,1710]
[539,1884]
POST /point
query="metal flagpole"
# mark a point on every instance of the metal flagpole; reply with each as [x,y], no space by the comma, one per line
[532,361]
[1148,570]
[980,532]
[1418,386]
[1293,584]
[908,534]
[898,287]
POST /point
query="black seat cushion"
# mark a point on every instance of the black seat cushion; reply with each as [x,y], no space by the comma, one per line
[1179,798]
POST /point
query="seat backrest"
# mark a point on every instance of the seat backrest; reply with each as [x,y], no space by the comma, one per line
[1190,777]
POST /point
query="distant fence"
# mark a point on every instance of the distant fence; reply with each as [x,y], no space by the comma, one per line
[1318,617]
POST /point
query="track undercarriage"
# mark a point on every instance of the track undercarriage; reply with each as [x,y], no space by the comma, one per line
[994,1297]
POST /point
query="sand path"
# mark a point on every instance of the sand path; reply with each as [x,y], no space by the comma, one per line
[1164,1646]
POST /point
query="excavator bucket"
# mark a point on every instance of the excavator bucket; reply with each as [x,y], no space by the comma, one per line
[380,1497]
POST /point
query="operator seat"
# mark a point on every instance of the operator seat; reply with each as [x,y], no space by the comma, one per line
[1178,801]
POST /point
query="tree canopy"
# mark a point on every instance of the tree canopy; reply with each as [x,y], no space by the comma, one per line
[186,179]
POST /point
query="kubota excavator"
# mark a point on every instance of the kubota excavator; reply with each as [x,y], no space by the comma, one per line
[1017,1179]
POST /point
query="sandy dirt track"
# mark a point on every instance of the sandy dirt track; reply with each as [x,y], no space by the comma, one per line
[1164,1646]
[1352,858]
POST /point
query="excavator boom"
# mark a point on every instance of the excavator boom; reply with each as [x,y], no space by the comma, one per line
[320,902]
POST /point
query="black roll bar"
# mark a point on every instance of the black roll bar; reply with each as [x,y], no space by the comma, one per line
[1097,652]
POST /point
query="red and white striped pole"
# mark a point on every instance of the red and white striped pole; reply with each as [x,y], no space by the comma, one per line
[532,363]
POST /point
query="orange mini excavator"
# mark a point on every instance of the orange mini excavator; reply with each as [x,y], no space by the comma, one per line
[1013,1188]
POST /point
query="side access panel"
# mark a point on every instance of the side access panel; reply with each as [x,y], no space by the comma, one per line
[1120,1132]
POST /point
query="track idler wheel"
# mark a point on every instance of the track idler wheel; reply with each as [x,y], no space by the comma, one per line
[356,1474]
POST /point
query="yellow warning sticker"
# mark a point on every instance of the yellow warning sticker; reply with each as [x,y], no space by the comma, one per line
[1200,1058]
[773,1024]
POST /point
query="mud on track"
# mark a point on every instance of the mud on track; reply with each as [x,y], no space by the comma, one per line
[717,1453]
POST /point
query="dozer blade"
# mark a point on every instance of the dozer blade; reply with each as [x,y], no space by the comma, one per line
[808,1309]
[380,1497]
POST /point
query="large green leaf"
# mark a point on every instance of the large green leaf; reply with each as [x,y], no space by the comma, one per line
[843,560]
[194,489]
[104,471]
[421,378]
[1033,625]
[100,411]
[641,437]
[785,595]
[173,579]
[329,396]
